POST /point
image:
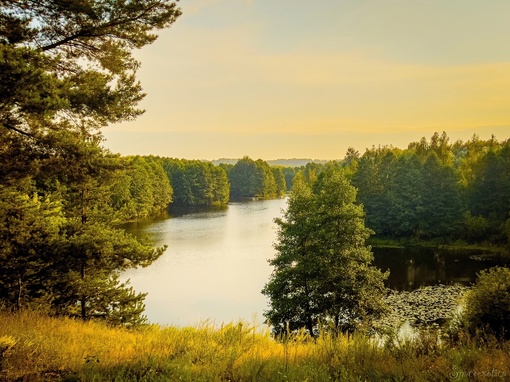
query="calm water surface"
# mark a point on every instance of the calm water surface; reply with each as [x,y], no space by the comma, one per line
[414,267]
[216,264]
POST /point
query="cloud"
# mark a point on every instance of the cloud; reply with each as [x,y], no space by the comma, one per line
[197,6]
[227,84]
[232,84]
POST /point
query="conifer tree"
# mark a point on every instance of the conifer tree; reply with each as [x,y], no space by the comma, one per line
[66,71]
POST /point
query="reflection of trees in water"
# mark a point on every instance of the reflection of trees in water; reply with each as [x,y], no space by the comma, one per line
[411,268]
[425,273]
[411,273]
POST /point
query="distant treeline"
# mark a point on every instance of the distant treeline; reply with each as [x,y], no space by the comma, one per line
[249,178]
[295,162]
[149,184]
[434,190]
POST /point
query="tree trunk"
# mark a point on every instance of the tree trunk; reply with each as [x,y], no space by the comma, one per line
[309,321]
[83,299]
[83,207]
[20,291]
[309,326]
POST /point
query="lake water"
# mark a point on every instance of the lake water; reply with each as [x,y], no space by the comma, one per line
[216,264]
[414,267]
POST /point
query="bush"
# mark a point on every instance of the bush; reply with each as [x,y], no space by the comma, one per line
[488,303]
[6,343]
[475,228]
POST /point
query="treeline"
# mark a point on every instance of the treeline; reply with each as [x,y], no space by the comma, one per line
[150,183]
[249,178]
[437,190]
[141,189]
[433,190]
[196,183]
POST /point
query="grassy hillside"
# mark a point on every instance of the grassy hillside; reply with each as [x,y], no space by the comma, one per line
[48,349]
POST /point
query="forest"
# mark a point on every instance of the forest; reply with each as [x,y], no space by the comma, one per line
[67,71]
[63,248]
[436,191]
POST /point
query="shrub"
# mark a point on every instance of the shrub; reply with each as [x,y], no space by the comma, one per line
[6,343]
[488,303]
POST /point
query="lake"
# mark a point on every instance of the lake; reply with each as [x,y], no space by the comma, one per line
[216,264]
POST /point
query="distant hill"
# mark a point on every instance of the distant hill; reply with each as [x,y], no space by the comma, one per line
[224,160]
[295,162]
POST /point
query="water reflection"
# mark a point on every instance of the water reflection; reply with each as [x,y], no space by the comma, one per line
[414,267]
[216,264]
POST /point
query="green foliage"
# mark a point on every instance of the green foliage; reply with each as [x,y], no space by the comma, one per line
[487,306]
[68,64]
[322,273]
[249,178]
[66,70]
[60,251]
[245,179]
[289,173]
[374,181]
[474,228]
[141,189]
[197,183]
[88,264]
[442,206]
[30,229]
[406,196]
[435,190]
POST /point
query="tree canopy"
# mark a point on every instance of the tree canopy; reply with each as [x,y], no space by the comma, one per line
[66,71]
[487,305]
[68,64]
[249,178]
[197,183]
[322,269]
[436,190]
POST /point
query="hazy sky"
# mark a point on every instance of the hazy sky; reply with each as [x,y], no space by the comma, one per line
[293,79]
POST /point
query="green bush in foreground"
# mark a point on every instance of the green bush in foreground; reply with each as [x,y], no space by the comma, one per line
[488,303]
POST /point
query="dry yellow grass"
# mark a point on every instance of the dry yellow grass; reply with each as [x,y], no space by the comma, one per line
[40,348]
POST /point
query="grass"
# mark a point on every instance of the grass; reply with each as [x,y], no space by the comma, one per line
[39,348]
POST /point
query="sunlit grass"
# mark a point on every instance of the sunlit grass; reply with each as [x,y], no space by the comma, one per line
[52,349]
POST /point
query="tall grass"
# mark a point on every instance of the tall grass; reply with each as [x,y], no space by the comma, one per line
[39,348]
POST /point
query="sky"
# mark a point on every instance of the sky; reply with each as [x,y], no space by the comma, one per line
[299,79]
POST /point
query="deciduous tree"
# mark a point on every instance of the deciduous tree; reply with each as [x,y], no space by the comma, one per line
[322,269]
